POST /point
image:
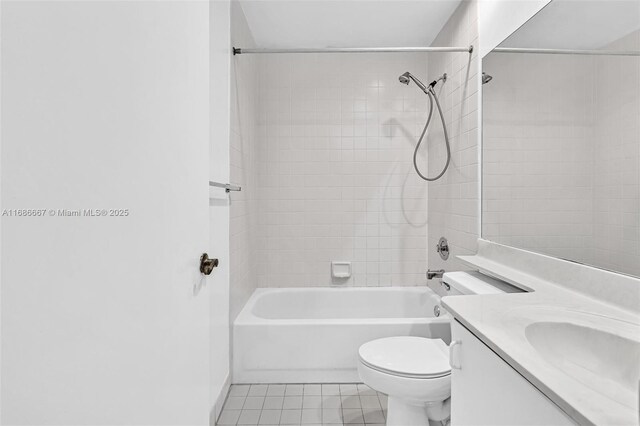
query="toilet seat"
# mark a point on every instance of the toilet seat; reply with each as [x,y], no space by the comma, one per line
[407,356]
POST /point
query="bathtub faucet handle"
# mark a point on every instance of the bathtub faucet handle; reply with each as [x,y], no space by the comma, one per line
[431,274]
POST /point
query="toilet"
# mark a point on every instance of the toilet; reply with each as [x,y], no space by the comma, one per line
[414,371]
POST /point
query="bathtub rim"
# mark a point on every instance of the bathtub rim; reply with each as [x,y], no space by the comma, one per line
[247,318]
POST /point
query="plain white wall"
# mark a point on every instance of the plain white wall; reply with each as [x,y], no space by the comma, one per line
[497,19]
[105,105]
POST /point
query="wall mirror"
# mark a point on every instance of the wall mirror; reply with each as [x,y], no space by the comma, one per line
[561,135]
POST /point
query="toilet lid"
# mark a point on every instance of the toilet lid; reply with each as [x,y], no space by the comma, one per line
[407,356]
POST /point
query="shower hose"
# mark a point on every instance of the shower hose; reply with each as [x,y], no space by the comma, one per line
[432,96]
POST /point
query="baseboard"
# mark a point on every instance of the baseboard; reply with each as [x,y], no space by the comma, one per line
[219,401]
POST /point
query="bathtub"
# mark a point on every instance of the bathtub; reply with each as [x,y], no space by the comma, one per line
[312,335]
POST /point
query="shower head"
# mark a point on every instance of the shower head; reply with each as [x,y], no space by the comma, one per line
[405,78]
[486,78]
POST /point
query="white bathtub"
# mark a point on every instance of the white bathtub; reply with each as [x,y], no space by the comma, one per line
[312,335]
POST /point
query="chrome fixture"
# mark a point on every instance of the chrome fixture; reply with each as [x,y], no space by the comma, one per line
[206,264]
[443,248]
[431,94]
[243,51]
[436,311]
[486,78]
[438,273]
[227,186]
[407,77]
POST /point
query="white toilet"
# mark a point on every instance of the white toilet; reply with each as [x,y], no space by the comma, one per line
[414,371]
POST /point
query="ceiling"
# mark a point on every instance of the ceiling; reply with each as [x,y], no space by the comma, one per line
[347,23]
[578,24]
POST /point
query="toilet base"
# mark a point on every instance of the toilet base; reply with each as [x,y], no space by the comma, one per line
[402,412]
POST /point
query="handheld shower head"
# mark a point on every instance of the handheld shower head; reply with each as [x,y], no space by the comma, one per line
[404,79]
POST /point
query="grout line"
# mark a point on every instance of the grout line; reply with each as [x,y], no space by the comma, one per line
[322,395]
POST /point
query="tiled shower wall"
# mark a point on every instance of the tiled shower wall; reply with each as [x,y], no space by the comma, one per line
[335,177]
[454,200]
[244,204]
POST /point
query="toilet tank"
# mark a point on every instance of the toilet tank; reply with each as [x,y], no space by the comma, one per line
[473,282]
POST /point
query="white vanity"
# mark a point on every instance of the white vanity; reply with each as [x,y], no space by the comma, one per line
[483,380]
[560,191]
[566,351]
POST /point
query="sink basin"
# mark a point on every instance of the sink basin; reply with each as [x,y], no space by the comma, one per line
[583,355]
[584,350]
[604,360]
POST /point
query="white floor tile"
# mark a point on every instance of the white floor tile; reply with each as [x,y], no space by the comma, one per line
[311,416]
[249,417]
[258,390]
[239,390]
[270,417]
[348,390]
[383,400]
[315,390]
[352,415]
[291,417]
[253,403]
[308,405]
[331,416]
[373,415]
[366,390]
[370,402]
[292,403]
[350,401]
[229,417]
[311,401]
[234,403]
[331,402]
[294,390]
[332,390]
[273,403]
[276,390]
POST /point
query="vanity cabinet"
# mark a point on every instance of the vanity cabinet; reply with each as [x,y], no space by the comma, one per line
[485,390]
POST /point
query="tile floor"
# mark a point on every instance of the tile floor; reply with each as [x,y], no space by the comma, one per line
[308,404]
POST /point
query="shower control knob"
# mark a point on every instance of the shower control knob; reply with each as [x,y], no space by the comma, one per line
[442,248]
[207,264]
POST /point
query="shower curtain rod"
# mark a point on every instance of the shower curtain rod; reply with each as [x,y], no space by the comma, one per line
[243,51]
[568,51]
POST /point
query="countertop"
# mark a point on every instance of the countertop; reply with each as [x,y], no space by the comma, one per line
[500,320]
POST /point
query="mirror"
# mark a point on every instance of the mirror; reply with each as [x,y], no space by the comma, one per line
[561,135]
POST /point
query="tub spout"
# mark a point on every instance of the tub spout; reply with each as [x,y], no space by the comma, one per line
[435,274]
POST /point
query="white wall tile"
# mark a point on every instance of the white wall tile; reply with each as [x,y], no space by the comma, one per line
[335,180]
[454,202]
